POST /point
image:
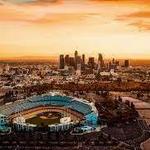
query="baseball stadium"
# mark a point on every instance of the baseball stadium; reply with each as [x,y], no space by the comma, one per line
[54,111]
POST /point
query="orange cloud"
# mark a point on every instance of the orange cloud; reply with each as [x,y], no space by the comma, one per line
[141,25]
[14,15]
[139,14]
[139,19]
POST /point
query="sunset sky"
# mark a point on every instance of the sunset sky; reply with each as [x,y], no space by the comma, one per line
[115,28]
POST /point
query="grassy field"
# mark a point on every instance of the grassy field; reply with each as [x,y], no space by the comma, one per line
[45,119]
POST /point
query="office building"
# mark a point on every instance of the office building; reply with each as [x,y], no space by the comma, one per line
[71,61]
[76,59]
[91,62]
[67,60]
[61,62]
[126,63]
[100,62]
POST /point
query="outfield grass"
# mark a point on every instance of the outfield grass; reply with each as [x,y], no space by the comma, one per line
[45,119]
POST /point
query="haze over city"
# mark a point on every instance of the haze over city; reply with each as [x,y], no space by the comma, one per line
[47,28]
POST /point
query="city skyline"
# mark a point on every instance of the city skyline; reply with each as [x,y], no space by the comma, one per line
[48,28]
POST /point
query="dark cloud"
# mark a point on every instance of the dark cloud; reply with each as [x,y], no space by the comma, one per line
[48,1]
[32,1]
[140,19]
[140,14]
[141,25]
